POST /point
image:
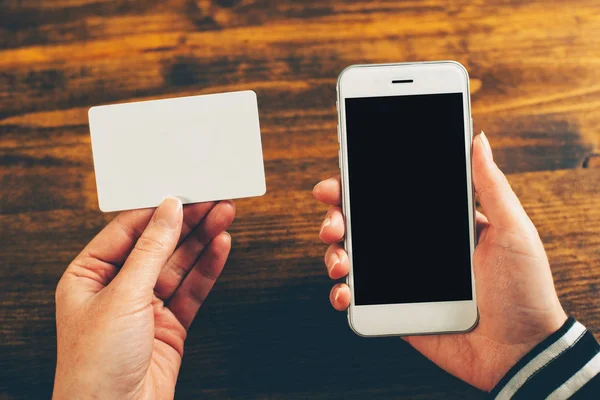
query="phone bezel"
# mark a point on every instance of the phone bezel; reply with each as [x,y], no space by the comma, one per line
[375,80]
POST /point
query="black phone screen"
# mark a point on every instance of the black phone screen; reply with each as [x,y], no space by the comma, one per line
[408,199]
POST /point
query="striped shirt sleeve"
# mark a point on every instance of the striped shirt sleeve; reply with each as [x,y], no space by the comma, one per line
[564,366]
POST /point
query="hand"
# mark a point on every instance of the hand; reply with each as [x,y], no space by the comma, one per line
[124,305]
[518,305]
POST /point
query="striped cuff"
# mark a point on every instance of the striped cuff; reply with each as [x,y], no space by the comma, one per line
[565,365]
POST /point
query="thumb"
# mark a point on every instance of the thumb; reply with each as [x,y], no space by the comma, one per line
[152,250]
[500,204]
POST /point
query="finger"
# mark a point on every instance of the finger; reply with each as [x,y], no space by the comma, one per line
[100,259]
[337,261]
[499,202]
[114,243]
[181,262]
[340,297]
[329,191]
[98,262]
[480,219]
[481,222]
[333,228]
[152,250]
[194,289]
[193,214]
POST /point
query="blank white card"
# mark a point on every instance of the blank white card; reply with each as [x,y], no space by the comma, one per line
[198,148]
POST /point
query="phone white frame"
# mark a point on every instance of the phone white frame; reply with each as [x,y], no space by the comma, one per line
[374,81]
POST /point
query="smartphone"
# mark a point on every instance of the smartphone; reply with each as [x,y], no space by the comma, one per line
[405,134]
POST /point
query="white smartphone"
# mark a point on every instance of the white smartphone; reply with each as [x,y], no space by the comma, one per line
[405,133]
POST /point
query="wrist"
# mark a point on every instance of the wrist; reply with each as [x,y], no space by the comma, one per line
[77,384]
[507,356]
[70,385]
[548,368]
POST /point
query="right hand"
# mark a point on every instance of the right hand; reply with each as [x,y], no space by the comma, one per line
[518,305]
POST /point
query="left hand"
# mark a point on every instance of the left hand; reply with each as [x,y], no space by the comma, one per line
[124,305]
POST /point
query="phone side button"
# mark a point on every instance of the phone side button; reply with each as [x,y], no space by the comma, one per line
[339,134]
[340,159]
[472,133]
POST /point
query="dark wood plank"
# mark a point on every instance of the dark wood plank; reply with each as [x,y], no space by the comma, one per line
[267,331]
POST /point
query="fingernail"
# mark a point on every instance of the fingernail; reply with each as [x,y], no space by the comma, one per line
[336,296]
[486,145]
[333,261]
[316,188]
[168,213]
[228,235]
[326,223]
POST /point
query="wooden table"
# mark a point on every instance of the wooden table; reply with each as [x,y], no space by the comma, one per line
[267,331]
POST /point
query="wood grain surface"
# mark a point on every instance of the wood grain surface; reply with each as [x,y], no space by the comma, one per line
[267,331]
